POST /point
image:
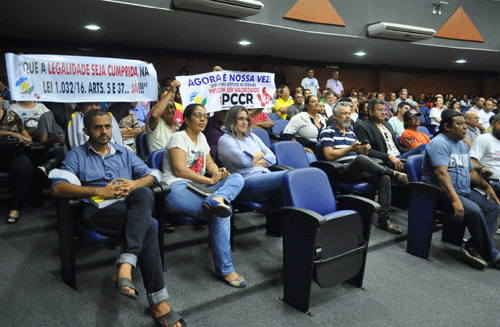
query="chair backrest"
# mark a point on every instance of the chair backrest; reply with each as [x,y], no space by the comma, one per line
[263,135]
[279,126]
[272,116]
[308,188]
[141,144]
[290,153]
[414,167]
[423,129]
[155,159]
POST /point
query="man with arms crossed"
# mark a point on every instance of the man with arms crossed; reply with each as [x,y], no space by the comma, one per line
[100,168]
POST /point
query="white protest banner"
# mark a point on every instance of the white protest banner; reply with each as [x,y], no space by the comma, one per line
[222,90]
[56,78]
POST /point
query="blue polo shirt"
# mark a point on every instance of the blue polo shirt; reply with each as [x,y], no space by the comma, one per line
[335,138]
[91,169]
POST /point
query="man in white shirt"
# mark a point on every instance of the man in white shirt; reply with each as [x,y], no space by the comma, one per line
[485,152]
[473,131]
[479,104]
[329,103]
[335,85]
[397,122]
[403,97]
[310,82]
[486,113]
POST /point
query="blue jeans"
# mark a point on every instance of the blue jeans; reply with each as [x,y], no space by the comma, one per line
[262,187]
[183,201]
[480,216]
[132,220]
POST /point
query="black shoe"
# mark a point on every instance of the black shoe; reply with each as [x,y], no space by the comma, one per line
[47,167]
[472,258]
[495,264]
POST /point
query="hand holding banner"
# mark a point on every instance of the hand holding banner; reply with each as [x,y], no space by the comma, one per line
[221,90]
[80,79]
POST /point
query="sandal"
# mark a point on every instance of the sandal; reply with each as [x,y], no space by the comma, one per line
[12,220]
[125,282]
[167,319]
[239,282]
[388,227]
[400,178]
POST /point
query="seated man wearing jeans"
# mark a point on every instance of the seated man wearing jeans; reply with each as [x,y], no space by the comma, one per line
[99,168]
[339,144]
[447,164]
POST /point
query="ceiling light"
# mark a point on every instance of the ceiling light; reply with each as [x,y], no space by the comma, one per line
[461,61]
[245,43]
[360,53]
[92,27]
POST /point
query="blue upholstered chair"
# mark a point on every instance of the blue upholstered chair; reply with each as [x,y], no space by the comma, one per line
[278,128]
[141,144]
[263,135]
[321,241]
[422,211]
[70,225]
[425,130]
[273,117]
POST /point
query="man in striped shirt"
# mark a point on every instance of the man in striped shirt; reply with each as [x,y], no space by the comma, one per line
[340,144]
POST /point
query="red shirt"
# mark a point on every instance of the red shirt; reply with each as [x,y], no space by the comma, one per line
[412,138]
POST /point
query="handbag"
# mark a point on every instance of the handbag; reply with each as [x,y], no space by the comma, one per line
[10,147]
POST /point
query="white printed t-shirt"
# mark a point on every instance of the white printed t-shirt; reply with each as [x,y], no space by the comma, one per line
[196,155]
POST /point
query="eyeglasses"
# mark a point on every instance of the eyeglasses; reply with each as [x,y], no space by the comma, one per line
[199,115]
[243,119]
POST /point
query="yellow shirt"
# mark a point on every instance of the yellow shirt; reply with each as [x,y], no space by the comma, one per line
[282,103]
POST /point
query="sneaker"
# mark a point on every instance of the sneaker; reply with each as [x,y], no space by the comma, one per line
[498,231]
[472,258]
[219,209]
[47,167]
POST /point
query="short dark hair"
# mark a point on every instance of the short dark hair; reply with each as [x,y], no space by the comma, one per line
[308,69]
[402,104]
[373,102]
[88,119]
[447,116]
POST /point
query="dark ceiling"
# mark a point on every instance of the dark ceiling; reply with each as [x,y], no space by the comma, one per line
[147,27]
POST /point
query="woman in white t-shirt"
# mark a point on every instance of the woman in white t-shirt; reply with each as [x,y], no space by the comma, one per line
[435,113]
[187,158]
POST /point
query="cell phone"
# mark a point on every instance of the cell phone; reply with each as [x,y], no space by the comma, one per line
[364,142]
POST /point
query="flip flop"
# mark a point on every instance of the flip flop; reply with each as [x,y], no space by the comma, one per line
[239,282]
[125,282]
[12,220]
[168,319]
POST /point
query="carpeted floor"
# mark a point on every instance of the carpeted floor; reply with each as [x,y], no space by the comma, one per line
[401,290]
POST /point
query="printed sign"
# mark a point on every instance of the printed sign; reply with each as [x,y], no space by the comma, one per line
[222,90]
[56,78]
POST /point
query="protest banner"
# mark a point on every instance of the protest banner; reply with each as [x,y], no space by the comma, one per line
[56,78]
[222,90]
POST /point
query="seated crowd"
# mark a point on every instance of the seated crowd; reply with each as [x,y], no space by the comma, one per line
[94,151]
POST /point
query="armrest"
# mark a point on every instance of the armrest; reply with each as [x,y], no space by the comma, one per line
[425,187]
[280,168]
[274,136]
[304,214]
[331,169]
[160,188]
[34,146]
